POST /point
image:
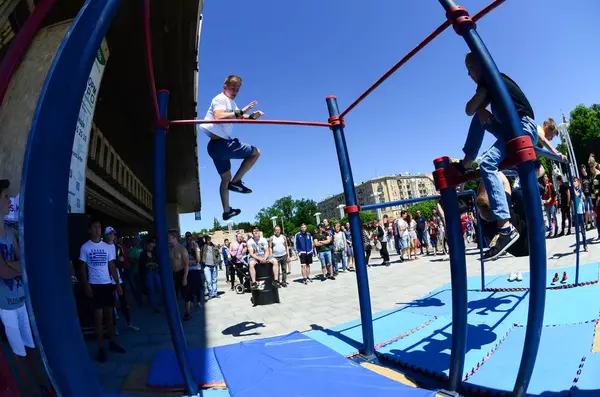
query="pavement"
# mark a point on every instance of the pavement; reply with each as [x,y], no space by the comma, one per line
[231,318]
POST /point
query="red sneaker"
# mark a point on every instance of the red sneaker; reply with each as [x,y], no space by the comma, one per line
[564,278]
[555,279]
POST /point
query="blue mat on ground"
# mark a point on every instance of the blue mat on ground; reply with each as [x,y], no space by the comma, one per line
[428,349]
[203,393]
[588,384]
[346,339]
[295,365]
[165,369]
[587,274]
[559,356]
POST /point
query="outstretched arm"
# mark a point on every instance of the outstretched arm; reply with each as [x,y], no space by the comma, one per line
[479,101]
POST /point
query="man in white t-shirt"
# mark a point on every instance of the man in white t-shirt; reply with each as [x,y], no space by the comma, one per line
[99,270]
[260,253]
[404,235]
[223,147]
[280,250]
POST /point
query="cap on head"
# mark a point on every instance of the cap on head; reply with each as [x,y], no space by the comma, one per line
[109,229]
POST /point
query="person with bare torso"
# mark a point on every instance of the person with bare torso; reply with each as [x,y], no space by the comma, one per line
[180,266]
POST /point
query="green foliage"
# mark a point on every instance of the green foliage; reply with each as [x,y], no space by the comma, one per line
[547,164]
[584,129]
[365,217]
[425,207]
[216,225]
[309,228]
[290,214]
[472,185]
[246,226]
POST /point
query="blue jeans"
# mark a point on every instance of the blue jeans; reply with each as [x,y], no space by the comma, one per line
[581,226]
[210,275]
[491,160]
[325,258]
[551,214]
[154,287]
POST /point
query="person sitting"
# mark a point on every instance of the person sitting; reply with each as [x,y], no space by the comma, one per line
[258,247]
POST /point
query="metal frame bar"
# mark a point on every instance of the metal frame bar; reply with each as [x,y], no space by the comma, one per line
[537,240]
[162,250]
[362,278]
[43,196]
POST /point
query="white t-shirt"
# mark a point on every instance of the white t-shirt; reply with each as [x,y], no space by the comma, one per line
[278,244]
[220,102]
[210,260]
[97,256]
[113,246]
[259,248]
[402,223]
[340,241]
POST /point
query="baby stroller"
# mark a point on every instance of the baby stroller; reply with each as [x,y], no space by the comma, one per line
[242,271]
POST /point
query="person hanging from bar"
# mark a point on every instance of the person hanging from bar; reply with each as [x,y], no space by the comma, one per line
[222,147]
[484,120]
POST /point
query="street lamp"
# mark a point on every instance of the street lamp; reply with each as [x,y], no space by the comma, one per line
[377,195]
[274,219]
[318,216]
[341,208]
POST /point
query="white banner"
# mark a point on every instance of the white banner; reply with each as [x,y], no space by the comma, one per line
[76,197]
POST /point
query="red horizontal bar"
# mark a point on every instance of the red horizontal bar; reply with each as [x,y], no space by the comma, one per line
[249,121]
[414,51]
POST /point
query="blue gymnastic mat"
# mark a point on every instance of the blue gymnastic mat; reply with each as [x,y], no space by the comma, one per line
[559,356]
[165,369]
[587,274]
[347,338]
[588,384]
[429,348]
[295,365]
[203,393]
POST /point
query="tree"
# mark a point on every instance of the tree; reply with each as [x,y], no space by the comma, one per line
[290,214]
[304,210]
[365,217]
[246,226]
[216,225]
[474,184]
[584,129]
[424,206]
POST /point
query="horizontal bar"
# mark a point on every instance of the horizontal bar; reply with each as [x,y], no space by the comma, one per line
[369,207]
[549,155]
[249,121]
[414,51]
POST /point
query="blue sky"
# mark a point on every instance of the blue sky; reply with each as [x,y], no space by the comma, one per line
[291,55]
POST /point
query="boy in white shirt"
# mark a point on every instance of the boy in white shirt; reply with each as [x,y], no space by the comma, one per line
[223,147]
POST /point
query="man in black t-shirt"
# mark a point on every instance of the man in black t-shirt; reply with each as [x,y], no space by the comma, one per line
[588,208]
[421,221]
[518,218]
[564,191]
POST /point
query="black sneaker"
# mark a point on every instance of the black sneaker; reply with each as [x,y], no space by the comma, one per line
[187,317]
[231,213]
[305,282]
[309,279]
[238,187]
[114,347]
[101,357]
[254,286]
[276,284]
[331,277]
[500,243]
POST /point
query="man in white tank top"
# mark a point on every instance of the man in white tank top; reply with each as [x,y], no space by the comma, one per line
[279,247]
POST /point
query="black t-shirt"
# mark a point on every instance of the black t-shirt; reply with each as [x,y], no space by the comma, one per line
[586,185]
[517,218]
[420,222]
[564,191]
[521,103]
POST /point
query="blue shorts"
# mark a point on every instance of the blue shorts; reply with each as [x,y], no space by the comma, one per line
[325,258]
[223,150]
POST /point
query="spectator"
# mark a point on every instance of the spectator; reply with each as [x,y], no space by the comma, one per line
[381,233]
[433,235]
[134,255]
[280,249]
[211,256]
[237,250]
[412,233]
[99,271]
[225,258]
[180,266]
[331,232]
[109,238]
[366,239]
[549,200]
[579,199]
[564,191]
[195,275]
[586,187]
[259,251]
[420,229]
[350,257]
[304,247]
[321,240]
[340,247]
[149,263]
[13,311]
[595,177]
[404,232]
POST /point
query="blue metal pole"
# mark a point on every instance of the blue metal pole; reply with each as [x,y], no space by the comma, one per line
[362,278]
[458,280]
[537,243]
[43,212]
[575,220]
[550,156]
[159,201]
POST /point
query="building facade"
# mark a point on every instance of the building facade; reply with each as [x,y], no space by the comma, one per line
[379,190]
